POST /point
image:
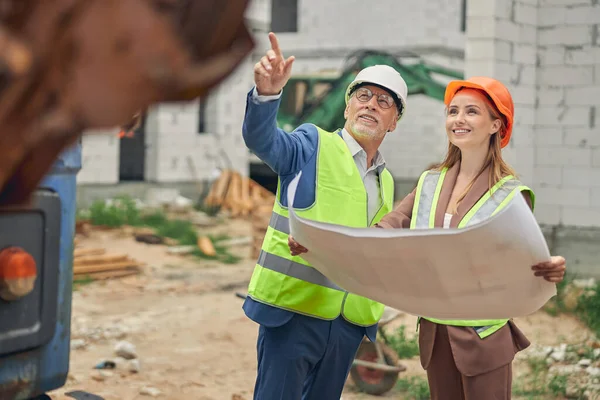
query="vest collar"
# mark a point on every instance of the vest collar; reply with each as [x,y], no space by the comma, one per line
[480,186]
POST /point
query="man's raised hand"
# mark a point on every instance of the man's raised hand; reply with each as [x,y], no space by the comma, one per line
[272,72]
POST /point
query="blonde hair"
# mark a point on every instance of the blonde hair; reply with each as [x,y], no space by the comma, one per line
[498,167]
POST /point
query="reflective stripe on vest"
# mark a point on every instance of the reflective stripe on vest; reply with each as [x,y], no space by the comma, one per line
[423,217]
[280,223]
[290,282]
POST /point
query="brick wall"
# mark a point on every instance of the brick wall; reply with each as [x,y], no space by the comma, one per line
[99,158]
[353,24]
[178,152]
[548,54]
[567,131]
[329,31]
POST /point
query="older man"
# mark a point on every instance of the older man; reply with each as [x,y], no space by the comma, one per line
[310,329]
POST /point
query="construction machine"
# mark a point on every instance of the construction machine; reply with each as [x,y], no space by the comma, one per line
[69,67]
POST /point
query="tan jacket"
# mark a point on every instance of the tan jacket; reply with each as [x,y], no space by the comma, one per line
[472,355]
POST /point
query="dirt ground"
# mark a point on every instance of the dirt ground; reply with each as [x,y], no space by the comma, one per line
[191,336]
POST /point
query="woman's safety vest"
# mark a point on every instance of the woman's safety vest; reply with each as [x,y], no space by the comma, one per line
[290,282]
[423,217]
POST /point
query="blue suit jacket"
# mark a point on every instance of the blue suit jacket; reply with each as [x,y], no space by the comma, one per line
[286,154]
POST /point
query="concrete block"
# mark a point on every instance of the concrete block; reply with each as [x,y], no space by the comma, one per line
[581,216]
[596,158]
[506,30]
[525,115]
[551,136]
[480,68]
[581,56]
[583,15]
[595,196]
[545,3]
[527,34]
[577,116]
[584,95]
[597,73]
[522,158]
[565,35]
[482,8]
[582,137]
[523,75]
[551,16]
[583,177]
[526,14]
[563,156]
[486,49]
[578,244]
[548,176]
[523,134]
[507,72]
[169,123]
[551,96]
[100,158]
[482,28]
[571,74]
[524,54]
[562,196]
[551,55]
[546,213]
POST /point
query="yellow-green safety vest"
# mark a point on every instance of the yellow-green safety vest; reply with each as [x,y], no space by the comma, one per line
[423,217]
[290,282]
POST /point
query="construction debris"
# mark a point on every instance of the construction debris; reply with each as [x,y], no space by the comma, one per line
[238,195]
[149,238]
[94,263]
[243,197]
[181,250]
[205,245]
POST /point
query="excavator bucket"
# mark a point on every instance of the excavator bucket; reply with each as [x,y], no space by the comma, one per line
[67,66]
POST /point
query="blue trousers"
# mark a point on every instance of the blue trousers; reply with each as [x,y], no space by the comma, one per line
[305,359]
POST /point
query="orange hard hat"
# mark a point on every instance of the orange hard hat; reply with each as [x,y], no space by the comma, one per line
[498,93]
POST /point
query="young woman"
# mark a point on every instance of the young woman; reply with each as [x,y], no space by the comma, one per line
[468,359]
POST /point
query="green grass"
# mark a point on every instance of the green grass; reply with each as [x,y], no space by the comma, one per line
[413,388]
[587,307]
[123,211]
[405,347]
[540,384]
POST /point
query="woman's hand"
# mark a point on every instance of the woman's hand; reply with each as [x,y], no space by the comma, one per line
[295,247]
[553,270]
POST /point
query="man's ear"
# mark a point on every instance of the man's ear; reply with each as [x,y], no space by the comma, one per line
[346,110]
[393,125]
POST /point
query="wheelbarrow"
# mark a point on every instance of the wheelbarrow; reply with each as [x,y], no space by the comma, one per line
[376,366]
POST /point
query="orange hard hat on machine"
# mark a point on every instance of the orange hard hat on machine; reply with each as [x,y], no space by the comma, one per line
[499,94]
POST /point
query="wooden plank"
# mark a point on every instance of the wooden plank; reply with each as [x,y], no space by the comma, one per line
[111,274]
[88,252]
[104,267]
[92,260]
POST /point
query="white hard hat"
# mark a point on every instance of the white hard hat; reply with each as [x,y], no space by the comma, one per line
[384,76]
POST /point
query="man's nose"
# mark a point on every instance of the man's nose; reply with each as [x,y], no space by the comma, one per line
[372,103]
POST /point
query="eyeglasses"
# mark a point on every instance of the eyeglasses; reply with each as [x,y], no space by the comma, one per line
[364,94]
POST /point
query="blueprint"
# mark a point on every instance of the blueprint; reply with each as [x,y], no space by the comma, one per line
[479,272]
